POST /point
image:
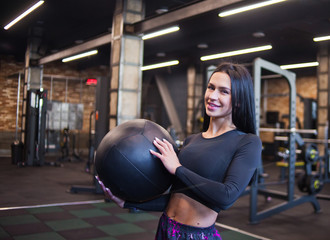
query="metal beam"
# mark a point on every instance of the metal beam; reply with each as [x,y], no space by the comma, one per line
[144,26]
[105,39]
[169,105]
[180,14]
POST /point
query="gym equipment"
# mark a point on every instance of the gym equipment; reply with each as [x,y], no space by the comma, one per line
[311,153]
[306,140]
[311,184]
[292,130]
[17,146]
[101,123]
[322,176]
[35,126]
[290,200]
[284,154]
[91,140]
[65,144]
[124,163]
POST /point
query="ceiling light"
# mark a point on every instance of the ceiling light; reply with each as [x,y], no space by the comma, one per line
[79,41]
[258,34]
[324,38]
[202,45]
[300,65]
[161,32]
[160,65]
[237,52]
[161,54]
[24,14]
[161,10]
[81,55]
[249,7]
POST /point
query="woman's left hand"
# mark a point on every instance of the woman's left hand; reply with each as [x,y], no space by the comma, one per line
[167,155]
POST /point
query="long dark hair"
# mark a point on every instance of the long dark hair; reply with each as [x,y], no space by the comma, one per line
[242,97]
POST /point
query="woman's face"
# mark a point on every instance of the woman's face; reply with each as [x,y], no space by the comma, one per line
[218,96]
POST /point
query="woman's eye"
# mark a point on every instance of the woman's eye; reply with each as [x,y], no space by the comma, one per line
[210,87]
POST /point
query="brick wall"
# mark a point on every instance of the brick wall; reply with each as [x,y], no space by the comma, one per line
[76,92]
[8,92]
[306,87]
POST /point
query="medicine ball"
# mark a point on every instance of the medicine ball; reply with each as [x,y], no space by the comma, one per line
[125,165]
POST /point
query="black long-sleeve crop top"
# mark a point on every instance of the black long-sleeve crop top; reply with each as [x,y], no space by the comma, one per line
[214,171]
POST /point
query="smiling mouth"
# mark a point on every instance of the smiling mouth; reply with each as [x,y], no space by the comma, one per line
[212,106]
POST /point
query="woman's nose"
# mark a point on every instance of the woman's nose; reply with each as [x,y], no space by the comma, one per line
[214,95]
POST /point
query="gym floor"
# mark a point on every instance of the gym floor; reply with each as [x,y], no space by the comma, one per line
[36,203]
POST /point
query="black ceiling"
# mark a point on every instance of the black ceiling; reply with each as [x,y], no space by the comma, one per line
[288,26]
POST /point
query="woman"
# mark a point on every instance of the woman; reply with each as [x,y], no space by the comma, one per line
[212,168]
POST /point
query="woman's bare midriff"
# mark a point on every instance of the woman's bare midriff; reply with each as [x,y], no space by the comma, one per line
[188,211]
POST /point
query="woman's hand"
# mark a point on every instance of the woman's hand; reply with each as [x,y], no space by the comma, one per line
[167,155]
[108,194]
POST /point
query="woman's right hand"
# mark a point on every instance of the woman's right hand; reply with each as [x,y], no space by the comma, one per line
[109,195]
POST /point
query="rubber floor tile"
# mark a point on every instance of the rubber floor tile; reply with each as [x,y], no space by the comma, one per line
[15,220]
[77,207]
[103,220]
[3,234]
[86,233]
[138,236]
[13,212]
[23,229]
[129,217]
[121,229]
[107,238]
[148,225]
[44,210]
[68,224]
[41,236]
[88,213]
[54,216]
[105,205]
[116,210]
[235,236]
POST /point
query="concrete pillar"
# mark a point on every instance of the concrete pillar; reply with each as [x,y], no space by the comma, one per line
[191,73]
[194,100]
[125,64]
[323,96]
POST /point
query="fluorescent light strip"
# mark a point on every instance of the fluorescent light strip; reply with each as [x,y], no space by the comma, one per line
[300,65]
[82,55]
[161,32]
[34,7]
[237,52]
[250,7]
[160,65]
[324,38]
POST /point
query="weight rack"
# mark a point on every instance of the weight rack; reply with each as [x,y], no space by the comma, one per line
[290,200]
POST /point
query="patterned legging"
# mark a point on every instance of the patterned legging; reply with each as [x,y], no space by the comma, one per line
[169,229]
